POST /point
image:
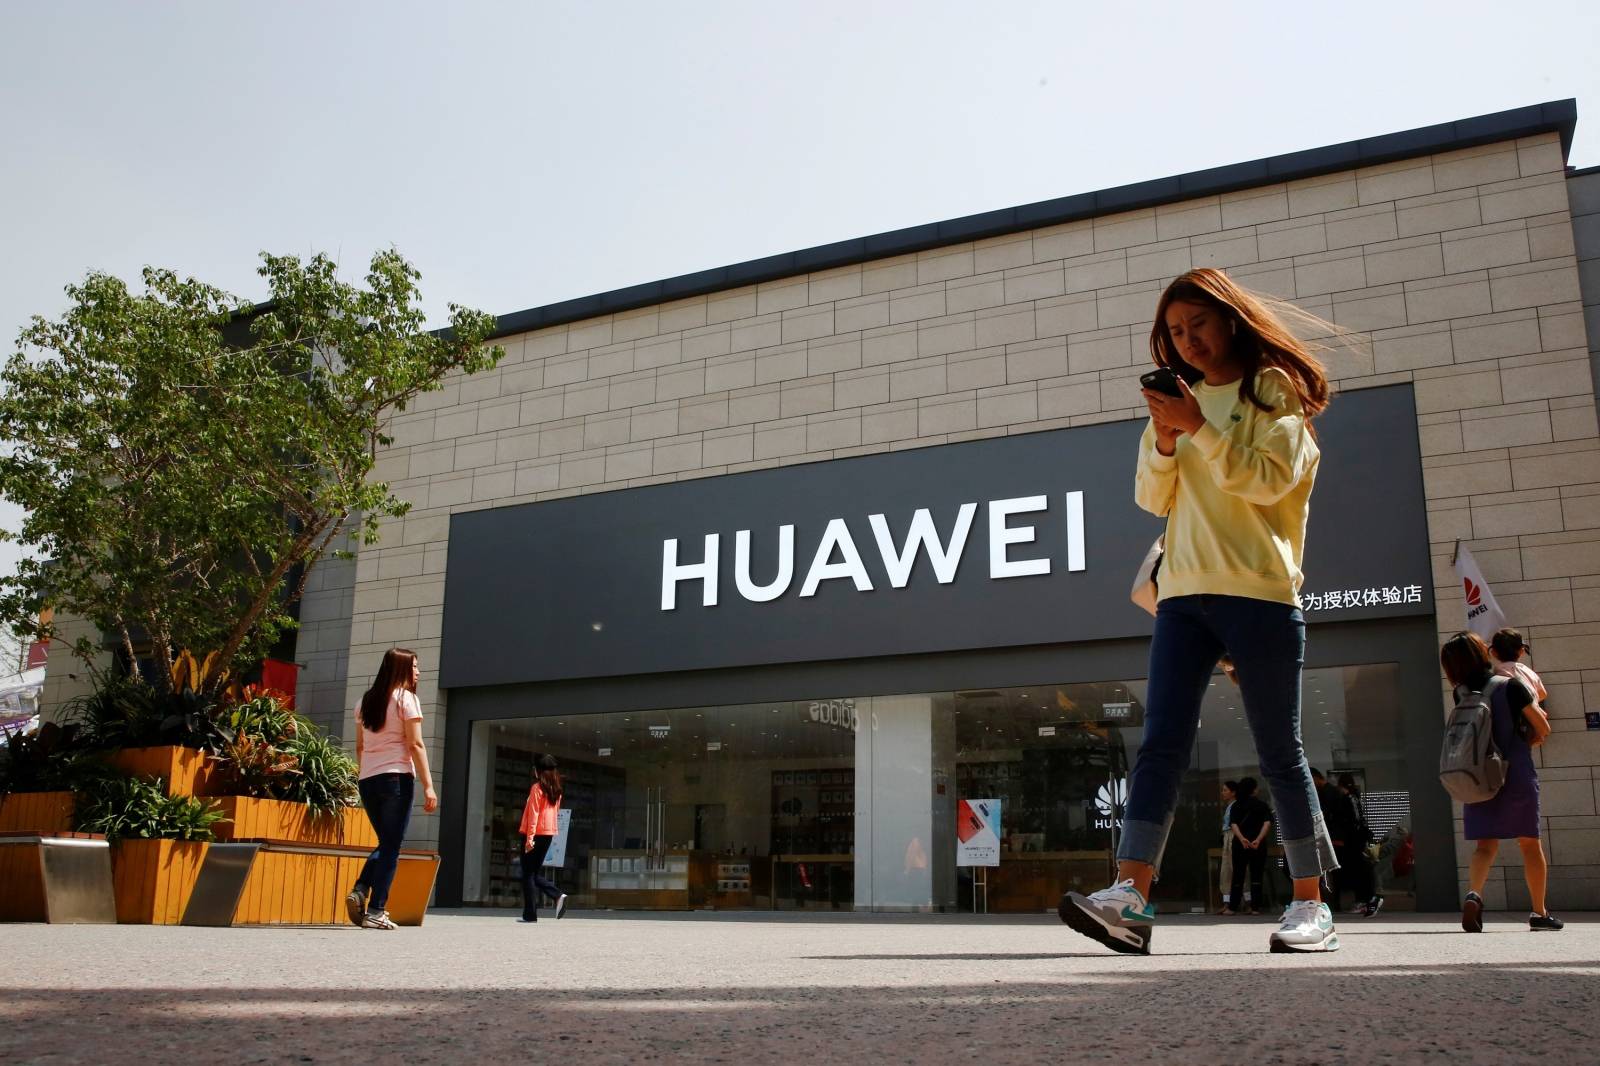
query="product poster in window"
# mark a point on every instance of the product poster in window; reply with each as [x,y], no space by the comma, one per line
[978,832]
[557,855]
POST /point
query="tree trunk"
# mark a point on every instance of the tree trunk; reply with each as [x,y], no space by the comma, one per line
[127,645]
[269,589]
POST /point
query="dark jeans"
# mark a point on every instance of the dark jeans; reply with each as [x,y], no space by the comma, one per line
[1256,860]
[387,799]
[535,883]
[1355,873]
[1267,642]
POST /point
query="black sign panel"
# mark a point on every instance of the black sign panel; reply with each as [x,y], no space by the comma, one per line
[619,582]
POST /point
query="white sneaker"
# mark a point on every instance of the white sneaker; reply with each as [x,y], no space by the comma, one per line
[378,920]
[1118,917]
[1307,926]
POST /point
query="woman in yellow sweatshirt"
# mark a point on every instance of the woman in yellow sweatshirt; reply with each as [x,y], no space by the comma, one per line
[1229,462]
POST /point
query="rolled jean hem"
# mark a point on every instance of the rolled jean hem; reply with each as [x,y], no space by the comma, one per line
[1142,841]
[1307,857]
[1310,856]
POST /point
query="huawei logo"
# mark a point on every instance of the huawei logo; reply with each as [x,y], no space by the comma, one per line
[1474,594]
[1113,796]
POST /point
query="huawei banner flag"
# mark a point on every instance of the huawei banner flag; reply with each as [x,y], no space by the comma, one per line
[1484,616]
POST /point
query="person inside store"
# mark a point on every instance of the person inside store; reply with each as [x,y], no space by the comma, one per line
[1252,828]
[1329,803]
[1352,836]
[392,755]
[1230,794]
[539,826]
[1229,458]
[1513,812]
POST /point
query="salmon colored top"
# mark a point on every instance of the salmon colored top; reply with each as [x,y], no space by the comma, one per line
[384,751]
[539,815]
[1524,673]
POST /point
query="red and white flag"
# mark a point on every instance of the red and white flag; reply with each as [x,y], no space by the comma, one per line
[1484,616]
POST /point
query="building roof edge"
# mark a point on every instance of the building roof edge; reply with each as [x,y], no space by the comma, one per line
[1556,116]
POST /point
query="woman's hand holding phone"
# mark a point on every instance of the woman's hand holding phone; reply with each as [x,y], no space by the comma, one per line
[1173,416]
[1166,436]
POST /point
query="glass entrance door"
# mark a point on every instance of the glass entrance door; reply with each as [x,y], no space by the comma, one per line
[1057,759]
[744,807]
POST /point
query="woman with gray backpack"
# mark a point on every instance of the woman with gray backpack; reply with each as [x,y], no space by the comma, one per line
[1511,810]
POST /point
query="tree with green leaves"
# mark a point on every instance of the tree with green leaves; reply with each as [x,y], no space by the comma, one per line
[182,455]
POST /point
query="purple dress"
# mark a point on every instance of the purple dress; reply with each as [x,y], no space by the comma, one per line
[1514,811]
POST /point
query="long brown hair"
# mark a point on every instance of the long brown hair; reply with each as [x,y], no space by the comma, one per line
[549,778]
[1465,658]
[393,673]
[1260,338]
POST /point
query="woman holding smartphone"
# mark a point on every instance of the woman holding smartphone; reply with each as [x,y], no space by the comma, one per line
[1229,459]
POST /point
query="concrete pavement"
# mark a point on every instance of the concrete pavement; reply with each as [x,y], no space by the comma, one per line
[477,987]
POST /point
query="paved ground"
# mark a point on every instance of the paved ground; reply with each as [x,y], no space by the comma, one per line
[476,987]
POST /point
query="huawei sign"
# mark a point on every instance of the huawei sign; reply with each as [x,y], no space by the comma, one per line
[1475,604]
[1109,802]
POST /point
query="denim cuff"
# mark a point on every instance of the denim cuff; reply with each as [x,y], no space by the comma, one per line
[1143,841]
[1311,856]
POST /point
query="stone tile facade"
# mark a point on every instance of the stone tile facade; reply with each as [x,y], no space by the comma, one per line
[322,645]
[1458,269]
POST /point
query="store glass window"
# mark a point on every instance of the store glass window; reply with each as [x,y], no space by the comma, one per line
[852,801]
[1058,757]
[726,807]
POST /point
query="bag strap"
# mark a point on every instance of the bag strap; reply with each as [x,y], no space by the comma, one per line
[1490,688]
[1495,683]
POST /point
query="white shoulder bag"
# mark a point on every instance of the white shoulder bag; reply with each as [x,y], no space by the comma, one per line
[1145,586]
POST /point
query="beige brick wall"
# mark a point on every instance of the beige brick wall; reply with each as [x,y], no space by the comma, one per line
[66,677]
[1459,270]
[322,646]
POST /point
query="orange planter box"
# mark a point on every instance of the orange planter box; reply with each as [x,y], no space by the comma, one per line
[186,771]
[285,822]
[22,885]
[36,812]
[288,888]
[152,879]
[413,887]
[357,829]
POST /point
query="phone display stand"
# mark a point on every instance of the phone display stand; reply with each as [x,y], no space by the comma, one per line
[980,889]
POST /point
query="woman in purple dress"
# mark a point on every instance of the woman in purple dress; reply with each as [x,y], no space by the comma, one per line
[1514,810]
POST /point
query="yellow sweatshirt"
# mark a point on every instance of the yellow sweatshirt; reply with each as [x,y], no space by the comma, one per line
[1236,494]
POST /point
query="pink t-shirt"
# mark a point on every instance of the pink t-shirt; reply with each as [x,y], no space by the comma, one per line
[1524,673]
[384,751]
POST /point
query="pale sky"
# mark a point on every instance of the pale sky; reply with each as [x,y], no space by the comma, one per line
[524,153]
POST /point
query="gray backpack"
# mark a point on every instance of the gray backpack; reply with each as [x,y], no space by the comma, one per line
[1471,767]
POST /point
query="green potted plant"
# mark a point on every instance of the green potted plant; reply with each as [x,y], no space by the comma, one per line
[158,842]
[37,773]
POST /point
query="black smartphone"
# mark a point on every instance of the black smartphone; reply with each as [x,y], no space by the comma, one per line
[1162,379]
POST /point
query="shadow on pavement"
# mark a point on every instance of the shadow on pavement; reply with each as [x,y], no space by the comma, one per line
[1285,1010]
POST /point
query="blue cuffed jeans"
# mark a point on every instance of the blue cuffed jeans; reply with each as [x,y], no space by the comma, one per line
[1267,642]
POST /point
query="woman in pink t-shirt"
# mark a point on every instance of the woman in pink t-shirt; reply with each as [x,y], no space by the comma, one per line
[392,755]
[540,824]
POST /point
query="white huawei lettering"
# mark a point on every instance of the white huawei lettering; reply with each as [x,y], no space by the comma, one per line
[837,557]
